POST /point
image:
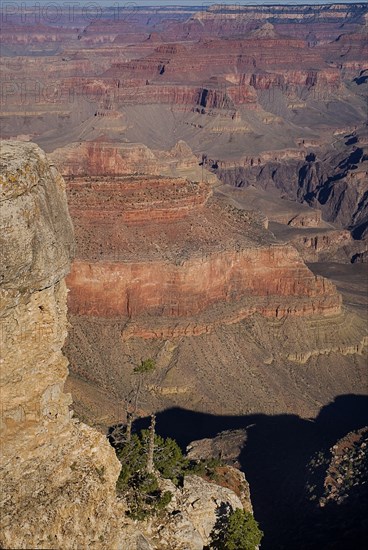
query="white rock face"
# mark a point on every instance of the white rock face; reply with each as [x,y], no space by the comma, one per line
[194,511]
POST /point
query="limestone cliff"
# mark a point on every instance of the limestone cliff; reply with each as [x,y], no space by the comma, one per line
[58,476]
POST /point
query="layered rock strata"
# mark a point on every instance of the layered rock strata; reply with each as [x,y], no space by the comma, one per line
[152,247]
[253,65]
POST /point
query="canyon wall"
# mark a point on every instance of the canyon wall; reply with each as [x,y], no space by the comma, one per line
[274,62]
[153,246]
[186,290]
[333,180]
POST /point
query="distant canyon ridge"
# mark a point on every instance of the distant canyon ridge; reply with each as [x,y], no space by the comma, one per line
[267,96]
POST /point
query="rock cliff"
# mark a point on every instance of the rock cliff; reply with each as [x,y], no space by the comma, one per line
[152,246]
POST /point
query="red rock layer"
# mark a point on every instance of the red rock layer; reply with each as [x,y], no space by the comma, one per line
[137,201]
[164,289]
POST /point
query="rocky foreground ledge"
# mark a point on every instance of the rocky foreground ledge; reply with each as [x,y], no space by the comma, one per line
[58,476]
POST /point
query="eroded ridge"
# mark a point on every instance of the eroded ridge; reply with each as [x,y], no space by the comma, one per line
[136,200]
[171,248]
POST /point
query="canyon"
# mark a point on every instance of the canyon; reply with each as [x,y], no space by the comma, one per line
[200,149]
[215,163]
[55,468]
[169,258]
[268,96]
[155,275]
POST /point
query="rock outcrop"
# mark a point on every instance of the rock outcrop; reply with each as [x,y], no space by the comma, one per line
[337,486]
[151,246]
[347,470]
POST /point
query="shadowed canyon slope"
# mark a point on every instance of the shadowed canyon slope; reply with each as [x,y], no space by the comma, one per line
[303,473]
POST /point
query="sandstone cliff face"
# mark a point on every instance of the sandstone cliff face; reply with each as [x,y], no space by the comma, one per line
[110,159]
[57,476]
[188,289]
[92,158]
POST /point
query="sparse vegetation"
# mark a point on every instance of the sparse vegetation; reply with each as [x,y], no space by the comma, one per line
[145,366]
[145,497]
[146,455]
[141,488]
[142,370]
[168,458]
[206,468]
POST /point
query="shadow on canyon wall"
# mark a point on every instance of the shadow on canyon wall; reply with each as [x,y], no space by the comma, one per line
[275,460]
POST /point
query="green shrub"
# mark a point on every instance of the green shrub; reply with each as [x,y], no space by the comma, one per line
[140,489]
[238,530]
[164,500]
[143,495]
[132,458]
[168,458]
[148,365]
